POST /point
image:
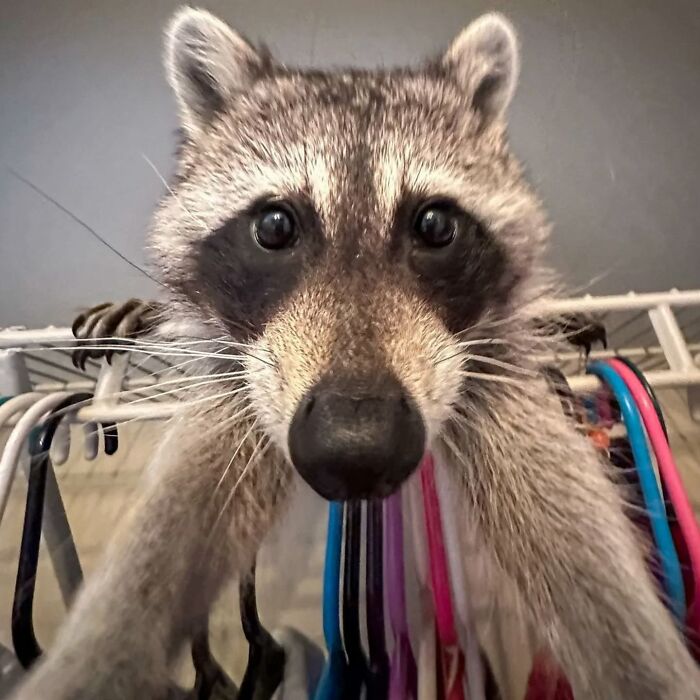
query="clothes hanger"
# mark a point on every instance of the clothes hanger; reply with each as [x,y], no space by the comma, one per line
[560,385]
[667,555]
[403,679]
[265,668]
[546,680]
[211,681]
[24,639]
[648,388]
[303,665]
[12,406]
[378,670]
[35,406]
[473,678]
[10,670]
[691,582]
[672,482]
[427,686]
[330,686]
[452,665]
[356,677]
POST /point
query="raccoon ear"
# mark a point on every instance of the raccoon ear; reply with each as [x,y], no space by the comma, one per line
[484,60]
[207,64]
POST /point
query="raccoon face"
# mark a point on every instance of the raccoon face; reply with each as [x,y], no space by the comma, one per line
[354,227]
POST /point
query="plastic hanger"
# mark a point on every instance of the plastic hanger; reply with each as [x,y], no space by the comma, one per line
[35,406]
[11,407]
[302,667]
[647,387]
[357,661]
[668,557]
[378,670]
[452,666]
[24,639]
[265,668]
[558,382]
[427,687]
[672,482]
[450,520]
[403,683]
[211,681]
[330,686]
[546,680]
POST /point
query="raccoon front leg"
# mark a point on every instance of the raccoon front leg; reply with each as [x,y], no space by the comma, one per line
[112,322]
[555,524]
[204,511]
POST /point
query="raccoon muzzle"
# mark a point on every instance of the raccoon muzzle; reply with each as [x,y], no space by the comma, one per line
[353,440]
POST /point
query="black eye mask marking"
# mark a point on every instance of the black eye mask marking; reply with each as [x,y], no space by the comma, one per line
[461,278]
[246,282]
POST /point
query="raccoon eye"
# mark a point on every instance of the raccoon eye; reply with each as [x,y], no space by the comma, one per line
[437,225]
[274,228]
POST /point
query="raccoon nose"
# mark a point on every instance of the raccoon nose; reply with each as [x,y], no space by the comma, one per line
[350,444]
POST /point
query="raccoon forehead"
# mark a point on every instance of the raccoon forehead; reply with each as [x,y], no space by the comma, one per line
[346,137]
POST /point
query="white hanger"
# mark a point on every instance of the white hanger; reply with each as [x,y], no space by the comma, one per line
[427,656]
[451,520]
[8,410]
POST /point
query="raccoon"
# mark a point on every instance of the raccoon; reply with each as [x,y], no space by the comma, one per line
[362,256]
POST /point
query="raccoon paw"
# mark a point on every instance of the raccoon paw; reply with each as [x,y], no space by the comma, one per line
[111,324]
[578,329]
[583,331]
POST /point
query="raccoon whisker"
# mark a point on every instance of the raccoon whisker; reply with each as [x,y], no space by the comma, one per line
[483,341]
[242,410]
[235,454]
[213,397]
[146,349]
[246,326]
[502,364]
[178,199]
[462,412]
[498,378]
[159,350]
[256,454]
[180,342]
[490,323]
[155,388]
[159,394]
[180,380]
[177,366]
[459,421]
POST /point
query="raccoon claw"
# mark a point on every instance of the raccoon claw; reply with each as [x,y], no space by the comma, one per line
[109,325]
[582,330]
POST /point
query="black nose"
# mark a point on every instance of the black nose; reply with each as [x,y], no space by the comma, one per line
[349,442]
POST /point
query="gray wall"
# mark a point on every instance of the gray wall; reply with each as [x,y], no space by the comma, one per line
[606,118]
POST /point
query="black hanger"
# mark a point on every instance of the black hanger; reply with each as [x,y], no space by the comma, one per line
[266,657]
[559,384]
[357,661]
[648,388]
[211,681]
[23,637]
[378,671]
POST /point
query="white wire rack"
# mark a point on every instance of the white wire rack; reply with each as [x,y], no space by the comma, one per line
[659,331]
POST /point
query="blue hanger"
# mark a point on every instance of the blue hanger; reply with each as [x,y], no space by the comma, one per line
[357,660]
[330,687]
[668,558]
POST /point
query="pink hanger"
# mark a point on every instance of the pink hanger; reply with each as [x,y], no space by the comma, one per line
[673,484]
[451,656]
[402,669]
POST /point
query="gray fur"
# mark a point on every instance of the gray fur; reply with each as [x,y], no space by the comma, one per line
[355,145]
